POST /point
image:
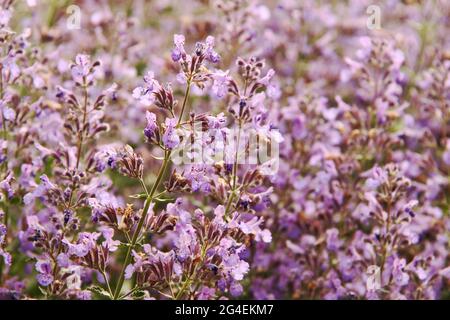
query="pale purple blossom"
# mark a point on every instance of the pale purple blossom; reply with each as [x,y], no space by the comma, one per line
[170,137]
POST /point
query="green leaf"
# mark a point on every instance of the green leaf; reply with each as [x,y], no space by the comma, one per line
[139,196]
[124,245]
[99,290]
[140,67]
[138,294]
[43,291]
[163,200]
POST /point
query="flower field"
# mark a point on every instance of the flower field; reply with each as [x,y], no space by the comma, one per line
[224,149]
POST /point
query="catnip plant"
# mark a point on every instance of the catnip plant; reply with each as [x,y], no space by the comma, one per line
[251,149]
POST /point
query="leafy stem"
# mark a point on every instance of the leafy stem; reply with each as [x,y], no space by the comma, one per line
[149,201]
[83,125]
[107,282]
[234,173]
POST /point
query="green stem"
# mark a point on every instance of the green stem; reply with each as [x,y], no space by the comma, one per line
[229,203]
[79,149]
[185,285]
[186,96]
[80,138]
[137,232]
[385,244]
[5,133]
[149,200]
[143,185]
[4,130]
[81,134]
[107,282]
[235,167]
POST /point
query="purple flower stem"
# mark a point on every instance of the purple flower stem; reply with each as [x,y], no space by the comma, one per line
[5,133]
[149,201]
[81,135]
[79,151]
[235,165]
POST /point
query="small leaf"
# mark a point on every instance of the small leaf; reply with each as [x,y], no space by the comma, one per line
[139,196]
[42,290]
[138,294]
[163,200]
[100,291]
[157,158]
[124,245]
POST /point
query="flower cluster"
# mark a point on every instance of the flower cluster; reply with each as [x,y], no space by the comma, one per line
[268,150]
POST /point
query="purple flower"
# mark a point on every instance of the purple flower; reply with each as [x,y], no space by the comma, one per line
[350,196]
[266,79]
[132,268]
[44,268]
[216,122]
[236,289]
[170,137]
[44,279]
[63,260]
[40,191]
[129,271]
[253,227]
[181,78]
[84,295]
[110,243]
[211,55]
[86,242]
[446,155]
[81,68]
[145,93]
[178,52]
[152,126]
[7,258]
[220,83]
[206,293]
[5,185]
[198,178]
[401,278]
[238,268]
[2,229]
[185,242]
[232,263]
[8,113]
[333,242]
